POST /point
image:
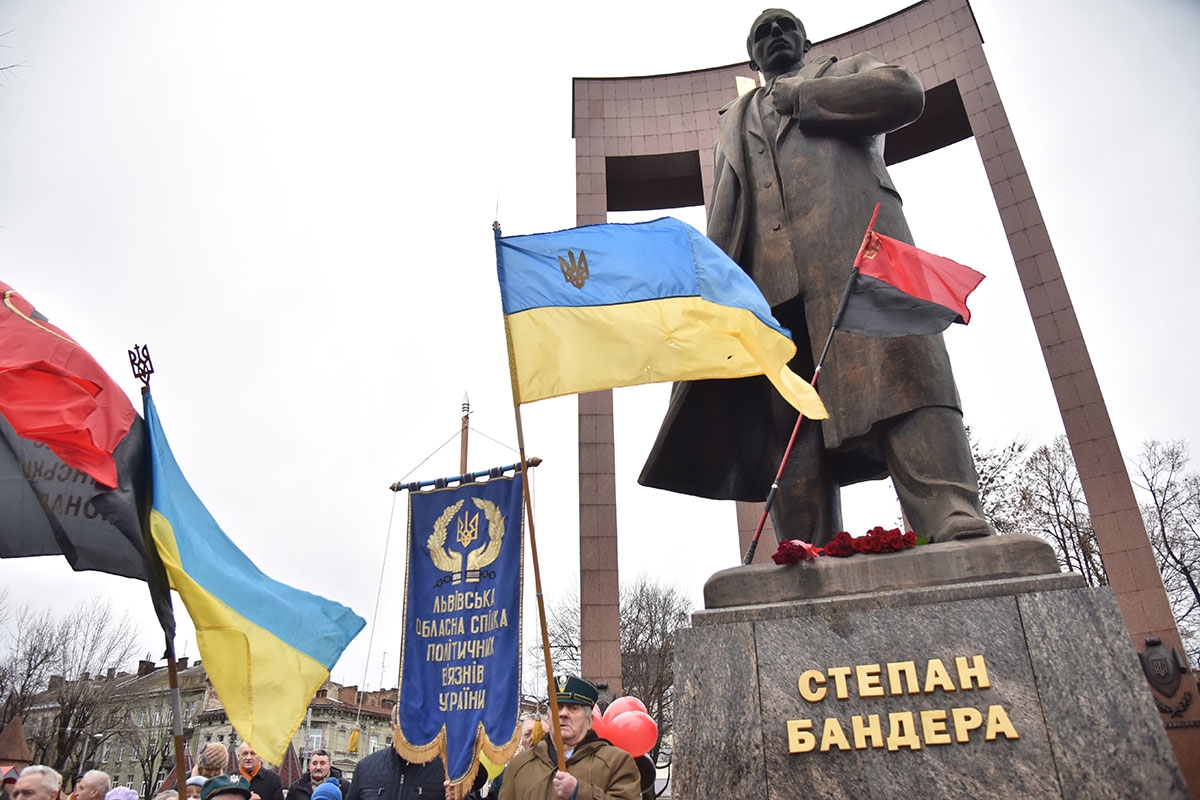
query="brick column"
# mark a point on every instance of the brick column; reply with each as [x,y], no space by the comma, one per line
[748,515]
[599,582]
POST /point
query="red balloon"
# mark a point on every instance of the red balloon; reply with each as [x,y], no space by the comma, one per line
[598,723]
[633,731]
[623,704]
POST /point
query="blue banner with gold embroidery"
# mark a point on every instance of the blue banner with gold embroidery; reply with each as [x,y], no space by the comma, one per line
[460,663]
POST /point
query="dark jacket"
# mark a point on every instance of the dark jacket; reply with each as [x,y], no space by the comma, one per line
[384,775]
[303,788]
[267,784]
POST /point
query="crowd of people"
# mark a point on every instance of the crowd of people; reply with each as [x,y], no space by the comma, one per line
[594,769]
[211,777]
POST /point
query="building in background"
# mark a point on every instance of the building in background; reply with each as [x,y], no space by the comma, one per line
[334,721]
[136,746]
[127,728]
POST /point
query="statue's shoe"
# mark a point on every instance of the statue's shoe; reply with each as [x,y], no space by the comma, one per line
[963,527]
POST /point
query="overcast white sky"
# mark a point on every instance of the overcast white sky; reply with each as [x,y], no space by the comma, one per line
[291,203]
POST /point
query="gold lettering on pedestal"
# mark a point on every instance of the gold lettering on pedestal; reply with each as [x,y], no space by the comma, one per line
[905,730]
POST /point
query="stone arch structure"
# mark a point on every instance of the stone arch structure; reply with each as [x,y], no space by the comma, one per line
[646,142]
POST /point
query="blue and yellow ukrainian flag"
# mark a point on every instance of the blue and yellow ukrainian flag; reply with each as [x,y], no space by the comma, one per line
[267,647]
[613,305]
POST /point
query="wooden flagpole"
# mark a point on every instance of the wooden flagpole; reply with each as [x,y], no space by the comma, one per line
[556,728]
[787,453]
[143,368]
[176,718]
[463,434]
[541,603]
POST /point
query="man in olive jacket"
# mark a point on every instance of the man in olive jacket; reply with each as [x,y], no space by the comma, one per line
[596,770]
[799,169]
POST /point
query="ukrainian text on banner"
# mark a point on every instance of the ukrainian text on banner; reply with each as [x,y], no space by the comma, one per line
[460,666]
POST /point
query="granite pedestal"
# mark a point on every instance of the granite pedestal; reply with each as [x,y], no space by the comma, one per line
[974,670]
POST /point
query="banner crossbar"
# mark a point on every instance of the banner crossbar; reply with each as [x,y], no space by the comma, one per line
[494,472]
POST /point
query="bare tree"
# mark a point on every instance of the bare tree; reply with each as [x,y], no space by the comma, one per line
[1052,506]
[999,471]
[8,70]
[562,628]
[1041,494]
[150,740]
[60,668]
[26,664]
[1172,515]
[651,616]
[90,642]
[6,674]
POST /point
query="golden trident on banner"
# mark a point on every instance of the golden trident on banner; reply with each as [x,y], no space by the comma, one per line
[468,529]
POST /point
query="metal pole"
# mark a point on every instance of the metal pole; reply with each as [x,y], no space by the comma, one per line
[787,453]
[87,738]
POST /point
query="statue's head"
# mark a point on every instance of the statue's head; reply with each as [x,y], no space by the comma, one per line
[777,42]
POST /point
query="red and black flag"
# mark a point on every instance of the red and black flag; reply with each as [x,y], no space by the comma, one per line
[898,289]
[55,393]
[74,458]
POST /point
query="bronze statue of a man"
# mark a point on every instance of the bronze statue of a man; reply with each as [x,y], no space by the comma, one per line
[799,169]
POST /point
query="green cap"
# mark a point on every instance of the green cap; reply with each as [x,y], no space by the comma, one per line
[226,784]
[571,689]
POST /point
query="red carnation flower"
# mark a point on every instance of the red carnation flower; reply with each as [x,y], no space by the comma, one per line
[792,550]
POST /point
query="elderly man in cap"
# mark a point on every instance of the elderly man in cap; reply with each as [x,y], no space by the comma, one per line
[227,786]
[595,768]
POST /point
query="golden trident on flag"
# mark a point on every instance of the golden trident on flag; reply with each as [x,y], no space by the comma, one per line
[468,528]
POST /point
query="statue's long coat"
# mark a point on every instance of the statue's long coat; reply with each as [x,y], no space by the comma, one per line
[791,200]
